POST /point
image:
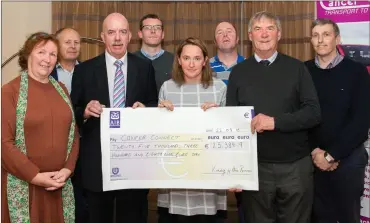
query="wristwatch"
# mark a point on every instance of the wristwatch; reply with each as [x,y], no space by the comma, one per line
[328,157]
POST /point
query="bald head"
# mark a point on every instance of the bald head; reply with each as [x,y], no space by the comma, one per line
[115,17]
[116,34]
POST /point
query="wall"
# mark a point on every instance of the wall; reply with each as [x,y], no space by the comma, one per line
[19,20]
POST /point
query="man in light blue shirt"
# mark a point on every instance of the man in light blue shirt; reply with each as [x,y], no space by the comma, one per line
[69,51]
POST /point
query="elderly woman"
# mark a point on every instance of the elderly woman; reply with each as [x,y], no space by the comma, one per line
[191,85]
[39,140]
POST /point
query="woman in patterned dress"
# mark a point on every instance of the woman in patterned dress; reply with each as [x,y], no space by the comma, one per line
[39,141]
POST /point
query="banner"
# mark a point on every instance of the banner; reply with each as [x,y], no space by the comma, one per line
[353,19]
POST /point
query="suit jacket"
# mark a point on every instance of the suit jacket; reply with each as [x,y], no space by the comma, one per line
[54,73]
[90,82]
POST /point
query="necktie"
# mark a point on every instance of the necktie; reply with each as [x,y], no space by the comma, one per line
[119,90]
[265,62]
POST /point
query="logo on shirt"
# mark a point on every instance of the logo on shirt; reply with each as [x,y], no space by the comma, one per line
[115,119]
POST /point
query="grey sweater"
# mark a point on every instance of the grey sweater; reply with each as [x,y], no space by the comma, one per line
[162,67]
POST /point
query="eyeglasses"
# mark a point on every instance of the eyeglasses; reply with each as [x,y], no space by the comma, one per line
[152,27]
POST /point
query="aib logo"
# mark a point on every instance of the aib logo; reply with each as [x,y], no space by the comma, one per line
[115,119]
[115,170]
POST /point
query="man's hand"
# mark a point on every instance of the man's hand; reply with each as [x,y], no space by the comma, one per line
[46,180]
[320,161]
[235,190]
[93,108]
[261,123]
[208,105]
[138,105]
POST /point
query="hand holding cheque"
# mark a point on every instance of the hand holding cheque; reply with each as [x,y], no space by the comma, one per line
[179,148]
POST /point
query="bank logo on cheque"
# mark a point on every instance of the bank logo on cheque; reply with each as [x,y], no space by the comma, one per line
[115,171]
[115,119]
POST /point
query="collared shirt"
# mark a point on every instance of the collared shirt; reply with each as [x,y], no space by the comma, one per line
[111,71]
[65,76]
[271,59]
[155,56]
[220,70]
[337,59]
[190,202]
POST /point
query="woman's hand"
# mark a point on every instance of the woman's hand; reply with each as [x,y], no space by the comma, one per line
[61,177]
[166,104]
[207,105]
[46,180]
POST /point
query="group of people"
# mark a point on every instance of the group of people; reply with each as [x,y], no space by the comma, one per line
[311,121]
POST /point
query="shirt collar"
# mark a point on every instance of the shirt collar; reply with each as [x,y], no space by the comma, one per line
[334,62]
[59,66]
[239,59]
[155,56]
[271,59]
[112,60]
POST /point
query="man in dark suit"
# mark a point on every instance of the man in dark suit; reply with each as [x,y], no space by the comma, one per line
[115,78]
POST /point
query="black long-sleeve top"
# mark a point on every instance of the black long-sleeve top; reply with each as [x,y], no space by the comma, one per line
[283,90]
[344,95]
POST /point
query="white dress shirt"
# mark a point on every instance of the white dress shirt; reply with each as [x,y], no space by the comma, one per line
[111,71]
[271,59]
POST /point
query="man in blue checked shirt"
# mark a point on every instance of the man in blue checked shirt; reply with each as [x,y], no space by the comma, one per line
[226,40]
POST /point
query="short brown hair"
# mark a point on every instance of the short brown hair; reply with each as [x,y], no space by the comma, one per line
[178,73]
[149,16]
[324,21]
[32,41]
[264,14]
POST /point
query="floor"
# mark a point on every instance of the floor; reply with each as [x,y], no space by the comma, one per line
[152,214]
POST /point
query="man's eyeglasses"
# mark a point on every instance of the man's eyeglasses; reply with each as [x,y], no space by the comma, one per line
[152,27]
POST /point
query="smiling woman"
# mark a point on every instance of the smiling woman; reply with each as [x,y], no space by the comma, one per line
[36,170]
[191,85]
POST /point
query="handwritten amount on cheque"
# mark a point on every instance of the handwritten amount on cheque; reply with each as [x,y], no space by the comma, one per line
[154,146]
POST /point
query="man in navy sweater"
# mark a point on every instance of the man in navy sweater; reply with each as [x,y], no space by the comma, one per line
[286,106]
[338,152]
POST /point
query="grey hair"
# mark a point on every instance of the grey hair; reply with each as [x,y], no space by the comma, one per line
[323,21]
[264,14]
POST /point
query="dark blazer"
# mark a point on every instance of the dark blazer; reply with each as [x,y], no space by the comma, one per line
[54,73]
[90,82]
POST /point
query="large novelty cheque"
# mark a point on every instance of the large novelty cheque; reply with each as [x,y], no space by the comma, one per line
[184,148]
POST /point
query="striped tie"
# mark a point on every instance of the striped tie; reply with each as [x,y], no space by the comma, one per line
[119,90]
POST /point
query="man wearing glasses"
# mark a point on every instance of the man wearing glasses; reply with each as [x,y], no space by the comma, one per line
[151,34]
